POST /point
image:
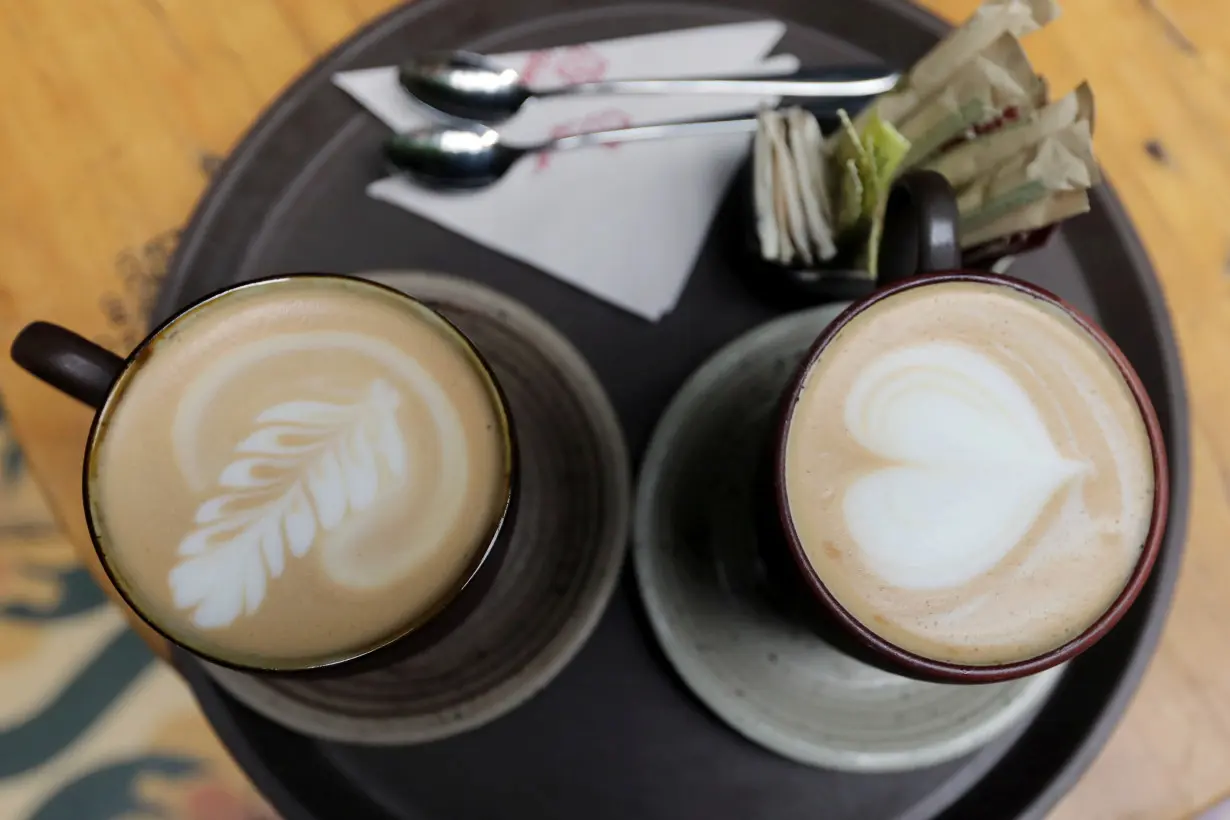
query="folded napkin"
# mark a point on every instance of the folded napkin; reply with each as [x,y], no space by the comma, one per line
[626,222]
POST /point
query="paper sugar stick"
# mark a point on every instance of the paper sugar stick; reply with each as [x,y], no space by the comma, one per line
[787,200]
[968,160]
[1061,162]
[850,156]
[998,82]
[762,188]
[1051,208]
[987,24]
[807,151]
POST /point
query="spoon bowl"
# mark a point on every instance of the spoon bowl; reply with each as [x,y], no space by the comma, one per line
[458,157]
[464,85]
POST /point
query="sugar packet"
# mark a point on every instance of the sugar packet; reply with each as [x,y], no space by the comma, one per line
[1009,229]
[885,149]
[1060,162]
[851,158]
[997,84]
[807,150]
[988,23]
[767,229]
[794,217]
[962,163]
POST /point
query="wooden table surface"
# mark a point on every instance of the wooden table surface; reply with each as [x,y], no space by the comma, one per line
[115,112]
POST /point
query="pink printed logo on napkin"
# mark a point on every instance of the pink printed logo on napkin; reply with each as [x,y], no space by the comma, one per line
[571,64]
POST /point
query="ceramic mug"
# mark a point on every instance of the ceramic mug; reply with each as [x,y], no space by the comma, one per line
[805,592]
[78,367]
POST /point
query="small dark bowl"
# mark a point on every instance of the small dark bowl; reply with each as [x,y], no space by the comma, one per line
[919,236]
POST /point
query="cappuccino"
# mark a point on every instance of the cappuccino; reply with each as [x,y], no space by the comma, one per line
[969,473]
[298,470]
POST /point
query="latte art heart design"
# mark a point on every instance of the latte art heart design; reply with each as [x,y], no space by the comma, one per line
[971,465]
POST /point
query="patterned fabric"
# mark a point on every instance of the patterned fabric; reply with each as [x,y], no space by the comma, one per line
[92,725]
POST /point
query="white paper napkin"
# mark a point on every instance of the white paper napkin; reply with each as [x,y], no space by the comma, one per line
[624,223]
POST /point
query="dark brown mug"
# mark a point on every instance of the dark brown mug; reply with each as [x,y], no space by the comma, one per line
[78,367]
[809,600]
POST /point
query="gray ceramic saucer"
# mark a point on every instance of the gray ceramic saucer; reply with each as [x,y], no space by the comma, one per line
[771,680]
[568,545]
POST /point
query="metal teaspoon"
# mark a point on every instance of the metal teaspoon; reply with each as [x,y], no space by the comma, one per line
[468,156]
[470,86]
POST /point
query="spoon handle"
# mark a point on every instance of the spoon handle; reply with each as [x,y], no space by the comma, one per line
[639,133]
[848,82]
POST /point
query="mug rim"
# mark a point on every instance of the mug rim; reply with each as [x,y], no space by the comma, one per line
[132,364]
[947,671]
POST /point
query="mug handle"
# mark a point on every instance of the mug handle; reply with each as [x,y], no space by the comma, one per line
[67,361]
[920,227]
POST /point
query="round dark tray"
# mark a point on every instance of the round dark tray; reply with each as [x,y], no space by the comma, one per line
[617,735]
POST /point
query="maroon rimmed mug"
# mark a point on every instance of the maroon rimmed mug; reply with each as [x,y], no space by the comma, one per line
[99,378]
[808,597]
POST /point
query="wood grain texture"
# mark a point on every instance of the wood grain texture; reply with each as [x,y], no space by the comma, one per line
[115,111]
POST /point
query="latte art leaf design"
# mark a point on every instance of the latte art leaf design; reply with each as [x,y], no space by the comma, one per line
[303,470]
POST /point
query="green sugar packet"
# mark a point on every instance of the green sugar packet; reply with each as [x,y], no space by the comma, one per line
[875,152]
[849,199]
[885,149]
[850,161]
[866,160]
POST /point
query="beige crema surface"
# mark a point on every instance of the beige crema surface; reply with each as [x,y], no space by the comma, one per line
[969,473]
[298,470]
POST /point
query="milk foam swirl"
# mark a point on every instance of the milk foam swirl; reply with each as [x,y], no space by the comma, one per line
[964,443]
[307,476]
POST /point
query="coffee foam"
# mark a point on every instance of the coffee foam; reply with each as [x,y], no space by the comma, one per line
[298,470]
[969,474]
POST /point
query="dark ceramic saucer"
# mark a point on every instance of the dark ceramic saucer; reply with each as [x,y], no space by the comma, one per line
[699,571]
